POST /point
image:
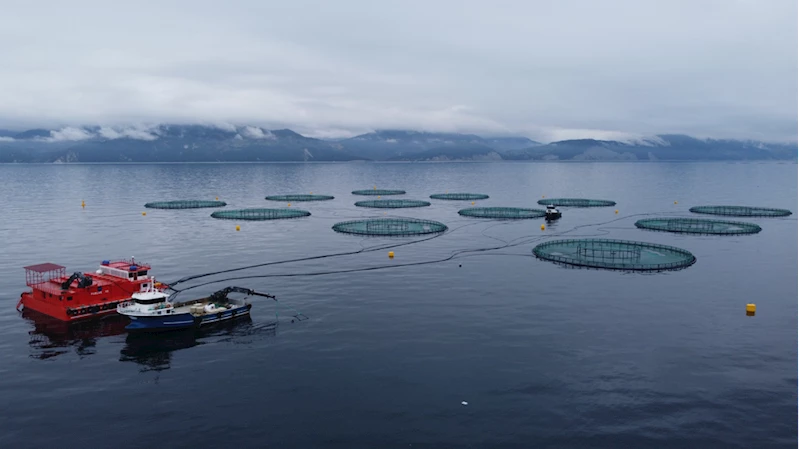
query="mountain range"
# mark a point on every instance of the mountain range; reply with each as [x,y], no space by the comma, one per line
[198,143]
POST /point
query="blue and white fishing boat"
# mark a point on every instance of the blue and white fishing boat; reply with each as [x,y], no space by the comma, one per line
[151,310]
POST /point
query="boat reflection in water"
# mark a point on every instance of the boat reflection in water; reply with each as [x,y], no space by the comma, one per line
[153,351]
[51,337]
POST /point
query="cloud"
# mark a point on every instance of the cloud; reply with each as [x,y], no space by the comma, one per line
[69,134]
[710,68]
[129,133]
[6,139]
[253,132]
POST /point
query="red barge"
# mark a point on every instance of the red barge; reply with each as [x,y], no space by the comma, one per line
[82,296]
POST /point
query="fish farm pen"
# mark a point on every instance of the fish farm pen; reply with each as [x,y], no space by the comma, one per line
[378,192]
[740,211]
[260,214]
[459,196]
[392,204]
[614,254]
[299,198]
[390,227]
[698,226]
[576,202]
[184,204]
[508,213]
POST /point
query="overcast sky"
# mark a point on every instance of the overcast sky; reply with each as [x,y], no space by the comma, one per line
[545,69]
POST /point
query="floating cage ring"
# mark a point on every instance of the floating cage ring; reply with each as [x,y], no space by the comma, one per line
[378,192]
[509,213]
[614,254]
[184,204]
[392,204]
[390,227]
[298,198]
[698,226]
[576,202]
[740,211]
[260,214]
[459,196]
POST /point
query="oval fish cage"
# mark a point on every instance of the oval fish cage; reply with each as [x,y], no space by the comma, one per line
[392,204]
[740,211]
[378,192]
[390,227]
[576,202]
[184,204]
[298,198]
[698,226]
[260,214]
[505,213]
[614,254]
[459,196]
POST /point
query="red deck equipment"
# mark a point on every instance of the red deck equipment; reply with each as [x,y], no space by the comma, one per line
[82,296]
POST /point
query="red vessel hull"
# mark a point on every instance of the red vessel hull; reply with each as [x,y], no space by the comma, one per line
[81,297]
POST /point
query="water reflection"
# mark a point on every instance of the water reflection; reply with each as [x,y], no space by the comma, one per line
[153,351]
[51,337]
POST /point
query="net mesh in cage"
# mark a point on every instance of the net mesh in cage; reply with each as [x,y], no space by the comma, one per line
[576,202]
[392,204]
[614,254]
[184,204]
[299,198]
[741,211]
[390,227]
[260,214]
[510,213]
[378,192]
[698,226]
[459,196]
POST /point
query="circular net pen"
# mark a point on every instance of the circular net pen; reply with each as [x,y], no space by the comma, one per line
[698,226]
[392,204]
[504,213]
[576,202]
[390,227]
[614,254]
[184,204]
[459,196]
[260,214]
[299,198]
[378,192]
[740,211]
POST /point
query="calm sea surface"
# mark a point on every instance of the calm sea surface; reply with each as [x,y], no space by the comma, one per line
[545,356]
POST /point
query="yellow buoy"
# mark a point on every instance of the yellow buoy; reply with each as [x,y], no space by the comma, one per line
[543,227]
[82,203]
[144,213]
[750,308]
[617,211]
[391,254]
[675,202]
[217,198]
[378,196]
[238,228]
[543,196]
[311,193]
[289,204]
[472,203]
[374,188]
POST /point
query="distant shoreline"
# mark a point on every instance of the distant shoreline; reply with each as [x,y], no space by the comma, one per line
[682,161]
